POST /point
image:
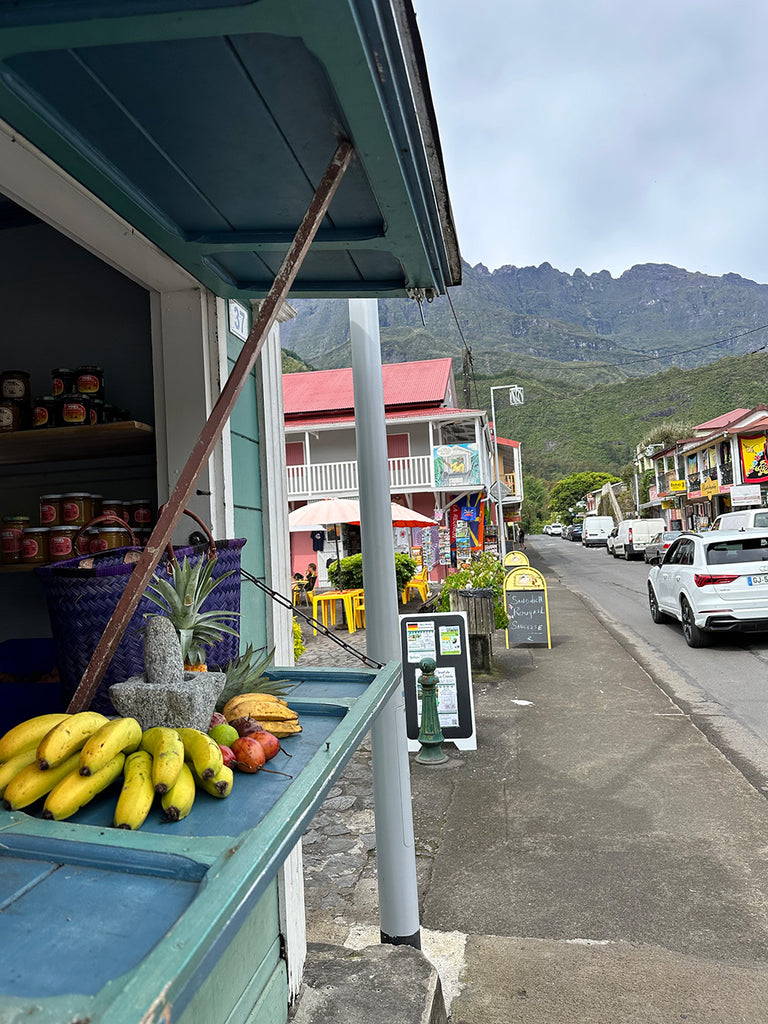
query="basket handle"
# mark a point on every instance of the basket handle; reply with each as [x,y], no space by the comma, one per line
[211,542]
[108,517]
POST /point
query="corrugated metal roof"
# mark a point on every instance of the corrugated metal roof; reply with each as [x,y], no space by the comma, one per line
[722,421]
[411,415]
[329,392]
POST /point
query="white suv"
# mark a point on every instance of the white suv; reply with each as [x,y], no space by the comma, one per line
[555,529]
[712,582]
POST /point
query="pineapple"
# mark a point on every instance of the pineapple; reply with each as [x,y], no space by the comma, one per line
[245,676]
[181,599]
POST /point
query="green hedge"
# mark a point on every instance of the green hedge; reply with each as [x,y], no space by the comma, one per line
[352,572]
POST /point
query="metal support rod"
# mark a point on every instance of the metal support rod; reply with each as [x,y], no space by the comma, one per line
[211,432]
[499,500]
[395,848]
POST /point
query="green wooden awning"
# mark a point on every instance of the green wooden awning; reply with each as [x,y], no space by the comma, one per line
[207,125]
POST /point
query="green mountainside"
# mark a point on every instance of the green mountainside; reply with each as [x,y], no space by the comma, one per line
[603,360]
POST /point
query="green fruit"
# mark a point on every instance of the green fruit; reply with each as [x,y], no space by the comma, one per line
[225,735]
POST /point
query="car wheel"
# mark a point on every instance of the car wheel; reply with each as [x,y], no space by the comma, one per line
[657,614]
[694,636]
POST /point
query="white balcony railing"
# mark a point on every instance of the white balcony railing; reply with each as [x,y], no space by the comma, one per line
[327,479]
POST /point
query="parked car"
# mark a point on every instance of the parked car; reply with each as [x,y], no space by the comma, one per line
[555,529]
[565,533]
[610,540]
[595,530]
[742,519]
[576,532]
[633,535]
[713,582]
[656,546]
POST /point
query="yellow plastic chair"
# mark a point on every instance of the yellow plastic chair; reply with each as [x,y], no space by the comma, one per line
[359,609]
[418,585]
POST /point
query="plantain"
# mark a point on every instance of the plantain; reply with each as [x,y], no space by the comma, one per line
[67,737]
[167,752]
[177,802]
[202,751]
[27,734]
[247,699]
[138,792]
[220,785]
[120,735]
[10,768]
[258,708]
[76,790]
[281,729]
[32,783]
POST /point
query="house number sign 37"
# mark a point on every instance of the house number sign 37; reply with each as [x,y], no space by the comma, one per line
[238,320]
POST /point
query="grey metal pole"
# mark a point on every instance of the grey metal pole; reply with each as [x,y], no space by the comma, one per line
[499,500]
[395,848]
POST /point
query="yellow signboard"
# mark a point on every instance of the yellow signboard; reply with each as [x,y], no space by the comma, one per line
[677,485]
[667,504]
[515,558]
[709,487]
[525,596]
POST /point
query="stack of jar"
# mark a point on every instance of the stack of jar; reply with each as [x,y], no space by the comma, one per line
[76,400]
[62,517]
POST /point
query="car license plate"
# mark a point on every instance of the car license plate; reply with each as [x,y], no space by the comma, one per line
[754,581]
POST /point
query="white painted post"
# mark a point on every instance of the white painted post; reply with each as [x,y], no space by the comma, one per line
[395,849]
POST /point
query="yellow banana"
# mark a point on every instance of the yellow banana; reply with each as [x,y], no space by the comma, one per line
[76,790]
[67,737]
[138,792]
[31,783]
[250,698]
[220,785]
[13,766]
[259,709]
[167,752]
[27,734]
[177,802]
[281,729]
[202,751]
[120,735]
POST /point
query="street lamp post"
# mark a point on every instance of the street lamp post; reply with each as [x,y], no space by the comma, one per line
[515,398]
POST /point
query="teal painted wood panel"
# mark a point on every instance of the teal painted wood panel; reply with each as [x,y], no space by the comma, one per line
[244,971]
[246,471]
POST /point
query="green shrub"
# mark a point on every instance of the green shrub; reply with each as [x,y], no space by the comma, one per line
[485,572]
[298,640]
[352,571]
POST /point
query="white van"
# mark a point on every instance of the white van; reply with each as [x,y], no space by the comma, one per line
[595,530]
[743,519]
[633,535]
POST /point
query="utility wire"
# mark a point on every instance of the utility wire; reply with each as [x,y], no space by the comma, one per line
[686,351]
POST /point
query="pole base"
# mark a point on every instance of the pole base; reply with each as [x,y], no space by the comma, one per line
[401,940]
[431,755]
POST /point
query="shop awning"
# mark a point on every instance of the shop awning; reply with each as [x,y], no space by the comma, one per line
[208,124]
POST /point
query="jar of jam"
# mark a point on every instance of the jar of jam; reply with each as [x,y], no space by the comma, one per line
[35,545]
[11,535]
[90,381]
[113,506]
[75,410]
[14,386]
[98,411]
[45,410]
[10,416]
[110,537]
[61,542]
[86,542]
[62,381]
[140,513]
[75,508]
[50,509]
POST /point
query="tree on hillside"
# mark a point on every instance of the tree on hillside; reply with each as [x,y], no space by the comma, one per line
[571,489]
[534,513]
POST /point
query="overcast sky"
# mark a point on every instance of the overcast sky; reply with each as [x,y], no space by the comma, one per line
[604,133]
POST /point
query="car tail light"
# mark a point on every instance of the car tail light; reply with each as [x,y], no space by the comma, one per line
[629,534]
[667,544]
[705,579]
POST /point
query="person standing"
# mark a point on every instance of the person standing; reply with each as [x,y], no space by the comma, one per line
[521,537]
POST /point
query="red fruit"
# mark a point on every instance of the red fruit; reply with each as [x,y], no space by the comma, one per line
[269,742]
[246,725]
[228,755]
[249,754]
[217,719]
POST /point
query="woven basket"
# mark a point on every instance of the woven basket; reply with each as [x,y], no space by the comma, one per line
[81,601]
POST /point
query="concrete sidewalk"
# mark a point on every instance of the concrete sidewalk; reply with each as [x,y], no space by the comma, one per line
[596,860]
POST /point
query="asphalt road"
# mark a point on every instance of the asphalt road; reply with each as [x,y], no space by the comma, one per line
[724,687]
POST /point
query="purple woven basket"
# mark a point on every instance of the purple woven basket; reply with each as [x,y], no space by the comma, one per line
[81,601]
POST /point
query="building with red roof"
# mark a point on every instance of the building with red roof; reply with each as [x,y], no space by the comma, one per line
[441,459]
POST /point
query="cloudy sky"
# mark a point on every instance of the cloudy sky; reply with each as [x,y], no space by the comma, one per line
[604,133]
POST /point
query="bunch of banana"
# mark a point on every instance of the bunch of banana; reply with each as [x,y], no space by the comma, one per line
[117,736]
[27,735]
[177,802]
[274,714]
[167,751]
[68,737]
[76,790]
[138,792]
[221,783]
[32,783]
[204,752]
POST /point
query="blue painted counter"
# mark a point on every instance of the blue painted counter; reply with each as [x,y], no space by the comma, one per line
[175,922]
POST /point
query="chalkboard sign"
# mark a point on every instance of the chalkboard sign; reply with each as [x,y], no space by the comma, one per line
[525,596]
[443,637]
